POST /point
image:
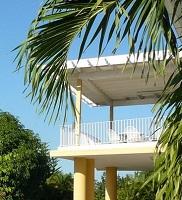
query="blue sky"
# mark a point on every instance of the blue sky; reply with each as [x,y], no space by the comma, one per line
[15,21]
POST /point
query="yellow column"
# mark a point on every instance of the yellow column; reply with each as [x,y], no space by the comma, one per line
[78,110]
[111,183]
[80,178]
[111,116]
[90,179]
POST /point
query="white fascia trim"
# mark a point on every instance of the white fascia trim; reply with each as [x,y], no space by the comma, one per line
[114,60]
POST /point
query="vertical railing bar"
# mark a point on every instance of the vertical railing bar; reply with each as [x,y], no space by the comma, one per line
[104,128]
[67,133]
[65,136]
[97,124]
[72,134]
[103,132]
[100,131]
[97,131]
[142,128]
[148,124]
[61,137]
[87,128]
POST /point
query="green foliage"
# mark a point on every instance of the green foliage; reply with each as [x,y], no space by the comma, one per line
[128,188]
[100,188]
[168,159]
[24,161]
[60,186]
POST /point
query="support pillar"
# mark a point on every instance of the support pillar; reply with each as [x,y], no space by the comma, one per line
[80,165]
[78,110]
[111,183]
[90,179]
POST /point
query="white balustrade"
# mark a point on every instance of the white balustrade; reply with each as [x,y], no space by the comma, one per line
[129,130]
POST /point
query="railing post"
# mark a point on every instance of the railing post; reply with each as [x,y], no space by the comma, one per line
[111,116]
[61,136]
[78,111]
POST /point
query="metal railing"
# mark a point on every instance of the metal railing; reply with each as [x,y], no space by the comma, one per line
[129,130]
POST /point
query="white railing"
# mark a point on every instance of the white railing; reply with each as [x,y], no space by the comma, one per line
[130,130]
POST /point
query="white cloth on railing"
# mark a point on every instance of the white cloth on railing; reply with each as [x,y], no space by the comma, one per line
[113,137]
[87,139]
[84,139]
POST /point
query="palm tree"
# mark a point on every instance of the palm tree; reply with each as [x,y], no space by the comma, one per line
[60,186]
[147,26]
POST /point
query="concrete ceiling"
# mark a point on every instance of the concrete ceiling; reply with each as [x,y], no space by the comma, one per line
[104,83]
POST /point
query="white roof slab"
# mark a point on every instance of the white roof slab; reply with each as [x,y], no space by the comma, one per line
[104,83]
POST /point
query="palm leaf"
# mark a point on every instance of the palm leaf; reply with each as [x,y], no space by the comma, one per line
[148,28]
[46,48]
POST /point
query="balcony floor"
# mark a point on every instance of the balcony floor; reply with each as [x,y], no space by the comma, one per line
[135,156]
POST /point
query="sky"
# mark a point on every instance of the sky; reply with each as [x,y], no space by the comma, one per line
[16,18]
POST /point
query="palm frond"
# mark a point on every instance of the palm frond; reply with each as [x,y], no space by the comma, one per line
[147,27]
[44,53]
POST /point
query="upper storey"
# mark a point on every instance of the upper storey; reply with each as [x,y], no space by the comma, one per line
[104,83]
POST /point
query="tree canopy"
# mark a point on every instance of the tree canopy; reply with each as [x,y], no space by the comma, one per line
[60,186]
[128,187]
[25,163]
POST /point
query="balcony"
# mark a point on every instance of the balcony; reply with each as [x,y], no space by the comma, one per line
[115,132]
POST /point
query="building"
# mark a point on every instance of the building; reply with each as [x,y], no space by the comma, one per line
[113,145]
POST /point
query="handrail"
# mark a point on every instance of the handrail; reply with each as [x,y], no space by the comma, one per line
[128,130]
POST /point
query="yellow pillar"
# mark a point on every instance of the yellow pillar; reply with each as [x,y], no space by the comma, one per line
[111,183]
[111,116]
[80,178]
[90,179]
[78,110]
